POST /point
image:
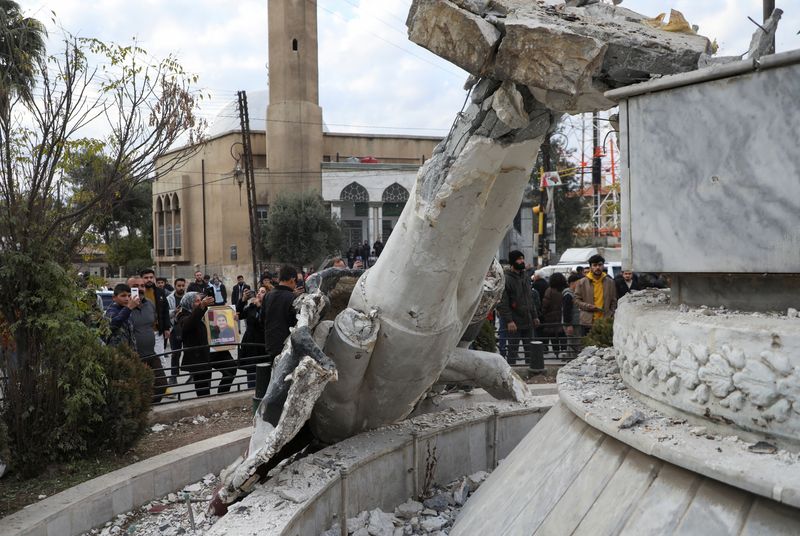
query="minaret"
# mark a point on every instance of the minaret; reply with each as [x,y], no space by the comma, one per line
[294,117]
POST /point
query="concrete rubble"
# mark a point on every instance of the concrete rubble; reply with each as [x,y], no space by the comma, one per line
[434,515]
[167,516]
[718,443]
[566,56]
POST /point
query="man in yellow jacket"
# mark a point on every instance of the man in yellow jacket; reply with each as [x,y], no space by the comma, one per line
[596,294]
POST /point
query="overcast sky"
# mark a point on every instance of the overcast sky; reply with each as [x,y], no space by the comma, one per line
[371,76]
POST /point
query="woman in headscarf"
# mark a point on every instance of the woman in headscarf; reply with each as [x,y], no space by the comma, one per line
[195,339]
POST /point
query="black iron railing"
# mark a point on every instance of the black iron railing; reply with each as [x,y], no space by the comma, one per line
[549,341]
[223,373]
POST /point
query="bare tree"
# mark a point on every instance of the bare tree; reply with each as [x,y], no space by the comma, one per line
[111,99]
[143,108]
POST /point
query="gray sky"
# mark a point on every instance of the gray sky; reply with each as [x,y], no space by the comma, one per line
[371,76]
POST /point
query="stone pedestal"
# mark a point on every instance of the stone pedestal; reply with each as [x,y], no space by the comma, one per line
[691,423]
[710,182]
[602,462]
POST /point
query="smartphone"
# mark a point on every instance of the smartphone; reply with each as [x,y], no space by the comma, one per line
[134,292]
[209,291]
[359,258]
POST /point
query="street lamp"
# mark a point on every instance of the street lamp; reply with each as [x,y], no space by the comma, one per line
[241,176]
[238,172]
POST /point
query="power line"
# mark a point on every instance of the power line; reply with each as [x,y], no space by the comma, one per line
[205,114]
[421,58]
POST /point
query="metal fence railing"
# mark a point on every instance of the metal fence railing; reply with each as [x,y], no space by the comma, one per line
[549,341]
[224,373]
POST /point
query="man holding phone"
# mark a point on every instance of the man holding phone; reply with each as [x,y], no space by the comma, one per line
[237,294]
[143,317]
[595,294]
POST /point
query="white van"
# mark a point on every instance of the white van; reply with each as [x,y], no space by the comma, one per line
[574,257]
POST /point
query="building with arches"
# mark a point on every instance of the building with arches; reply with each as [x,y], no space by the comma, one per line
[200,216]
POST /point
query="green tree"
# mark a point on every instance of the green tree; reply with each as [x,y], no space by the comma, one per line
[300,229]
[55,365]
[21,49]
[569,206]
[131,251]
[123,221]
[128,211]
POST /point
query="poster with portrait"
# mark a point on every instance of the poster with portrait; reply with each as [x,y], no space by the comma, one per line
[223,330]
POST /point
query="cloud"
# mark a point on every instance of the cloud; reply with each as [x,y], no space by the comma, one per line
[370,74]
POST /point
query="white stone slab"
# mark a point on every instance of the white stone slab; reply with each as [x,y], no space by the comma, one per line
[712,178]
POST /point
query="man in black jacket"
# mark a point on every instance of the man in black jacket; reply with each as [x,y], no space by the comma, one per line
[199,284]
[278,312]
[517,312]
[158,296]
[625,282]
[237,293]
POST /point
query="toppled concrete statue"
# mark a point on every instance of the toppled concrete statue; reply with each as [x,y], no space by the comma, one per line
[411,316]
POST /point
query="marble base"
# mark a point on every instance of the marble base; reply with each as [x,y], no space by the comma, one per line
[569,478]
[742,369]
[710,175]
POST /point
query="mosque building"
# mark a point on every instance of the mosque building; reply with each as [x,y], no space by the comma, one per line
[200,216]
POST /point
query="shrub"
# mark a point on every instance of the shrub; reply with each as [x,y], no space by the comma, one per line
[68,395]
[486,339]
[128,392]
[601,334]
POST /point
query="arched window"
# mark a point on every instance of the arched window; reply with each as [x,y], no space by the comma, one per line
[354,192]
[168,226]
[395,193]
[394,199]
[177,240]
[161,236]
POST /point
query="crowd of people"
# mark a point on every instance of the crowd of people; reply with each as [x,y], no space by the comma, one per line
[560,310]
[170,328]
[149,315]
[364,254]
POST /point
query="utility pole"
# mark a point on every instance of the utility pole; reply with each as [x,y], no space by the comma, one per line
[769,7]
[546,166]
[244,120]
[583,151]
[596,170]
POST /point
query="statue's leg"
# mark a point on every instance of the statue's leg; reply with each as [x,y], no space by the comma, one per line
[486,370]
[426,285]
[307,382]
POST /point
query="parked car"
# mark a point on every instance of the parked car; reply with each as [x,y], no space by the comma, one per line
[104,299]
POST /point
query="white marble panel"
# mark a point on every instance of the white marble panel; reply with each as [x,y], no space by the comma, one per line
[713,176]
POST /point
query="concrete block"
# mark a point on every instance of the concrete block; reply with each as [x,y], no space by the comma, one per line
[92,512]
[59,525]
[180,471]
[122,499]
[769,517]
[142,487]
[716,509]
[163,483]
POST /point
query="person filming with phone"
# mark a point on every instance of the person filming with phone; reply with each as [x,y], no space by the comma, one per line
[595,294]
[143,317]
